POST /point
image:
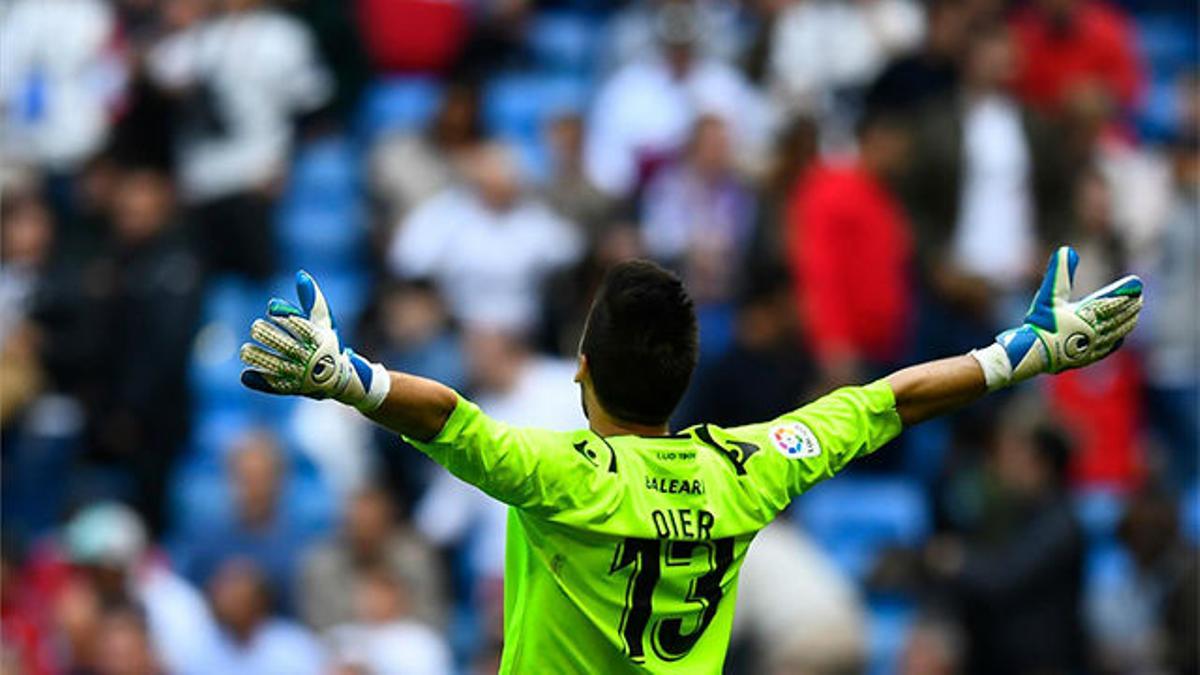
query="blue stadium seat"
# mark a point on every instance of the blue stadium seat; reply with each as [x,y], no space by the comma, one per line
[397,104]
[322,240]
[228,307]
[1167,43]
[519,105]
[565,42]
[854,518]
[1099,511]
[889,622]
[1190,513]
[325,173]
[1106,565]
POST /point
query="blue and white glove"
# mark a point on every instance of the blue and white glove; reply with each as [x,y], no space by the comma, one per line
[1059,334]
[298,352]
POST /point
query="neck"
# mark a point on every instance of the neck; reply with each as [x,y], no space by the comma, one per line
[605,425]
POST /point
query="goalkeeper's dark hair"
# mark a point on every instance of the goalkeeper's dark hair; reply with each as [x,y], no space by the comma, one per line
[641,342]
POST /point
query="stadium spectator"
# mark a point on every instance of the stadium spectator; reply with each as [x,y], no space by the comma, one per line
[124,644]
[410,330]
[794,151]
[383,638]
[41,429]
[720,24]
[263,528]
[1102,410]
[843,217]
[1069,46]
[643,113]
[61,77]
[487,244]
[824,54]
[931,71]
[27,235]
[240,75]
[137,296]
[1147,621]
[25,632]
[253,639]
[988,191]
[110,562]
[698,215]
[569,191]
[1017,579]
[1173,337]
[408,168]
[372,540]
[790,582]
[1090,134]
[933,646]
[763,374]
[413,332]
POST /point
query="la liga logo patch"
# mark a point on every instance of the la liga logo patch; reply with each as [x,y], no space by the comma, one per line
[794,440]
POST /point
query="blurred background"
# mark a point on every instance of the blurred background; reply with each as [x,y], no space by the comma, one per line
[845,186]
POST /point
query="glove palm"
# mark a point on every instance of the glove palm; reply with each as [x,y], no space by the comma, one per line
[297,351]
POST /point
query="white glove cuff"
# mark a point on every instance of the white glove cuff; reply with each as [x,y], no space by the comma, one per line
[997,371]
[381,384]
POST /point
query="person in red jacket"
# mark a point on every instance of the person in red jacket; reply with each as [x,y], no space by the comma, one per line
[850,252]
[1071,47]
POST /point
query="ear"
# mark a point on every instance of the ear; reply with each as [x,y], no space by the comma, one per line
[581,372]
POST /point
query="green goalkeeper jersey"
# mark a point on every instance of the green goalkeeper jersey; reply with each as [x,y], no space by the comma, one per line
[623,552]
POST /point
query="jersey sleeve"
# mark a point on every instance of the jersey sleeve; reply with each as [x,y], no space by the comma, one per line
[801,448]
[535,469]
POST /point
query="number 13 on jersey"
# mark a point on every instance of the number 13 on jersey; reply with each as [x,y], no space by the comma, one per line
[648,558]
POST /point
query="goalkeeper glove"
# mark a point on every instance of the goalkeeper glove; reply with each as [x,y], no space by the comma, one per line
[1058,334]
[298,352]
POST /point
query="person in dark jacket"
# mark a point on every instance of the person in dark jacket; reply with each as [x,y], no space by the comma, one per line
[138,297]
[1016,579]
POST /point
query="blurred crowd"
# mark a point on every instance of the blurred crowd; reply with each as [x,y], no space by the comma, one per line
[846,186]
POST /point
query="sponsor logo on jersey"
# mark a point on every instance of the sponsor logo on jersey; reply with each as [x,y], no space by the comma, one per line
[675,486]
[794,440]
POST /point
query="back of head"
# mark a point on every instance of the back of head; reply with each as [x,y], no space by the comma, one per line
[641,342]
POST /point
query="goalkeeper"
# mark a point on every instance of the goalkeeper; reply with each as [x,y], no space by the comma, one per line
[625,539]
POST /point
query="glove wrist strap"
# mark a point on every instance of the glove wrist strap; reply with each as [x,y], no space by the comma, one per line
[997,370]
[377,390]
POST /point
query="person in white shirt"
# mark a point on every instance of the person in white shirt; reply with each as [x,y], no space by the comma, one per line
[109,540]
[252,641]
[989,188]
[241,78]
[255,68]
[820,48]
[644,112]
[61,77]
[384,639]
[487,245]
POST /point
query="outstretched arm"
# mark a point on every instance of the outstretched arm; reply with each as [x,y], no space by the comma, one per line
[415,407]
[936,387]
[1057,335]
[297,351]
